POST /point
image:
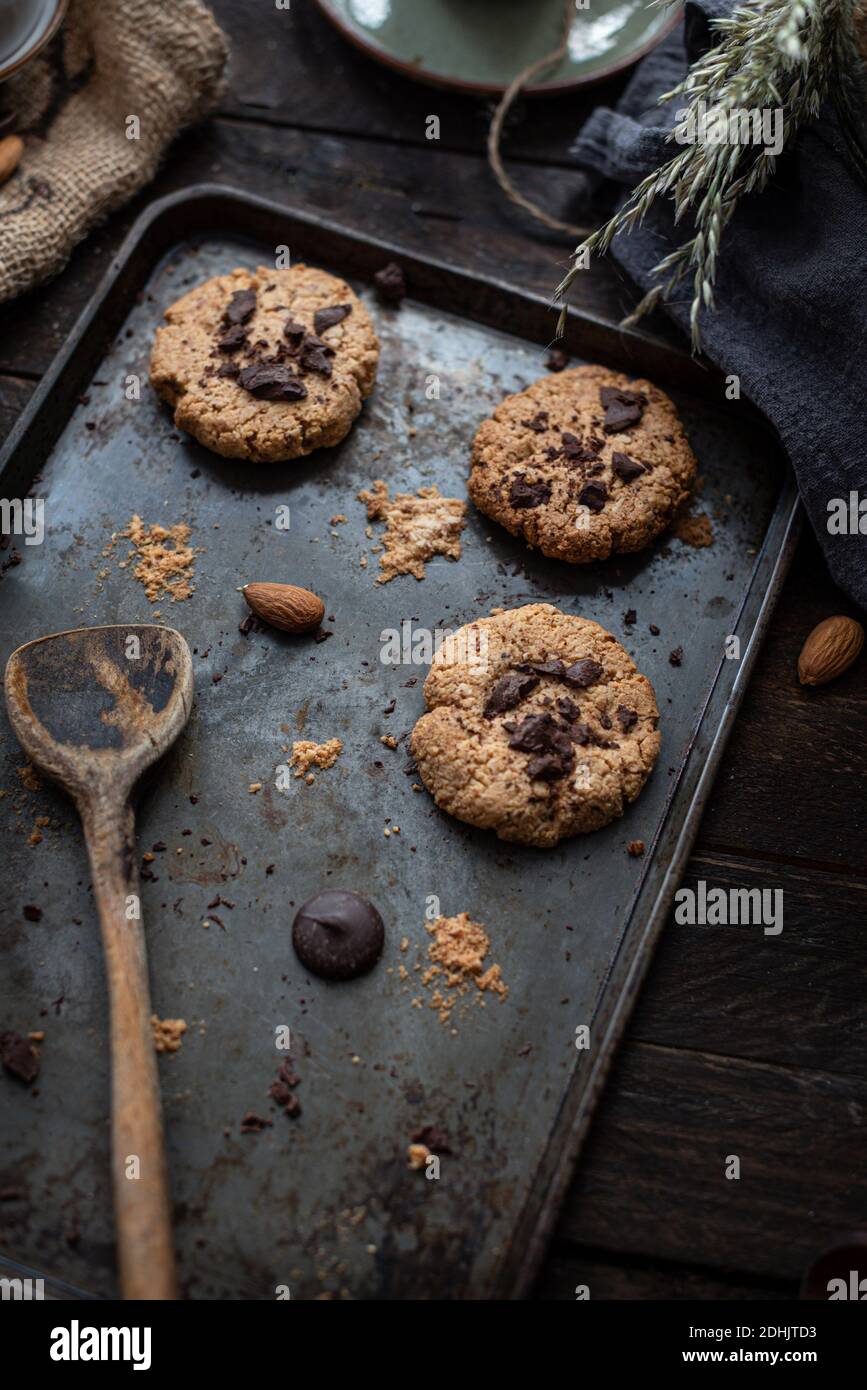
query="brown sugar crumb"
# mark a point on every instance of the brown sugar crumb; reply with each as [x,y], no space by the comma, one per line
[635,848]
[29,777]
[417,1156]
[307,754]
[417,528]
[696,531]
[165,558]
[457,954]
[168,1033]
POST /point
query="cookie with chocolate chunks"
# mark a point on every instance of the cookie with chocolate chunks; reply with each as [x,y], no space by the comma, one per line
[266,364]
[504,744]
[583,464]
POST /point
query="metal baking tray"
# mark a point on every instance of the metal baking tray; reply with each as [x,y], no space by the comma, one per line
[326,1204]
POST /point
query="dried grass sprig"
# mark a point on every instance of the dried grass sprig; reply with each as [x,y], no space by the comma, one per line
[772,55]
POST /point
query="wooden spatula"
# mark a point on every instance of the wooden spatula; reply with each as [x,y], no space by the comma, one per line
[93,708]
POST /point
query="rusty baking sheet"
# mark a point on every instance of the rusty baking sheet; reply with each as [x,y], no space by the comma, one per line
[326,1205]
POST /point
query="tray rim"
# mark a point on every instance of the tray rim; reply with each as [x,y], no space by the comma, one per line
[519,1262]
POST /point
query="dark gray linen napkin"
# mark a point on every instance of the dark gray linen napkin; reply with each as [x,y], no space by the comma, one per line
[791,293]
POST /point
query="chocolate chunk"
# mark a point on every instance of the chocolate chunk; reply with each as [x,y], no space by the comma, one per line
[623,409]
[338,935]
[556,360]
[630,617]
[544,668]
[676,657]
[435,1140]
[537,733]
[327,318]
[654,629]
[626,468]
[279,1093]
[523,495]
[32,913]
[545,736]
[18,1058]
[230,369]
[390,283]
[605,721]
[253,1123]
[593,496]
[272,382]
[627,718]
[287,1075]
[294,334]
[539,422]
[549,767]
[508,692]
[233,339]
[580,733]
[583,673]
[576,452]
[568,708]
[315,355]
[240,307]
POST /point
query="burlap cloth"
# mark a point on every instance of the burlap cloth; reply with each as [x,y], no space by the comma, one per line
[158,60]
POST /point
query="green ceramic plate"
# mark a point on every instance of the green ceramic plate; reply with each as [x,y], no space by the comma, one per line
[480,45]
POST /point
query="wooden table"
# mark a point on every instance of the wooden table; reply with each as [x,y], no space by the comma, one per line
[742,1044]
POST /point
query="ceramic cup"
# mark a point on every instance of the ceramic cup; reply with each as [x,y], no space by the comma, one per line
[25,27]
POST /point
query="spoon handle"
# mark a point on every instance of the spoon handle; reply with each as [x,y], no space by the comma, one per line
[140,1181]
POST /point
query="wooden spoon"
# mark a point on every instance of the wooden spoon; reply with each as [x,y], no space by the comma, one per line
[93,708]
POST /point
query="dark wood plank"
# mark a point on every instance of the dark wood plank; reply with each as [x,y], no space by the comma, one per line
[292,68]
[569,1269]
[794,1000]
[652,1181]
[792,784]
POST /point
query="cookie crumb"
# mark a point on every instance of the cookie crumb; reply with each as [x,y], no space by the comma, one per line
[417,528]
[636,848]
[696,531]
[457,954]
[306,754]
[165,558]
[417,1156]
[168,1033]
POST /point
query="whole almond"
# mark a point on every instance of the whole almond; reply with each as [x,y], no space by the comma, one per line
[11,150]
[829,650]
[285,606]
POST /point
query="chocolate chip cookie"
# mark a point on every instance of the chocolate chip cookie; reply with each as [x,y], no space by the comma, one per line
[539,726]
[583,464]
[266,365]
